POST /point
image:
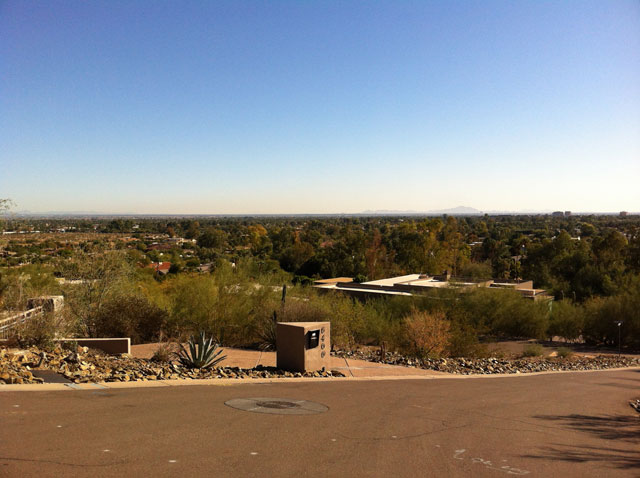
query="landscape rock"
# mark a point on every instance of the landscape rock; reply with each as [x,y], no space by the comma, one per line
[85,365]
[493,365]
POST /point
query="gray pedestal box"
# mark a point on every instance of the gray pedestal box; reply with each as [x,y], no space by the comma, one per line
[303,346]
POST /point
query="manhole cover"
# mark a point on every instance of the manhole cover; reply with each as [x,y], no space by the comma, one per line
[279,406]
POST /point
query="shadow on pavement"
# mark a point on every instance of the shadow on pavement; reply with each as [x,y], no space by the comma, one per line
[607,427]
[624,429]
[615,457]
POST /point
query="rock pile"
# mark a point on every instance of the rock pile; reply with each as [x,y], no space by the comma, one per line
[83,366]
[468,366]
[15,368]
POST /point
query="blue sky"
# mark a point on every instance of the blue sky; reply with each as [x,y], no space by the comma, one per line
[319,107]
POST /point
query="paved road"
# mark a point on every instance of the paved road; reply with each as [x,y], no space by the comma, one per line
[570,424]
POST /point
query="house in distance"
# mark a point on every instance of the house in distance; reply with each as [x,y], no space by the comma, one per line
[419,284]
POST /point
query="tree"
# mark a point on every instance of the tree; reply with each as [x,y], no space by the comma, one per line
[259,240]
[97,278]
[377,258]
[295,256]
[5,206]
[212,238]
[191,229]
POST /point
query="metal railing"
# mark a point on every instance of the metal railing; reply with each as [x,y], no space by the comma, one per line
[8,325]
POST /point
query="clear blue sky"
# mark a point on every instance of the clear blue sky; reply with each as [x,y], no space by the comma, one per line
[314,107]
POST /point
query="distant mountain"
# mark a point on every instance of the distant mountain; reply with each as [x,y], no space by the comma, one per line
[459,211]
[456,211]
[388,212]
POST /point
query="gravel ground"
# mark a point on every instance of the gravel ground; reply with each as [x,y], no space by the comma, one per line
[84,365]
[468,366]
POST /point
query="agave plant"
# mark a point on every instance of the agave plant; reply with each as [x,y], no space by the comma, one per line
[202,353]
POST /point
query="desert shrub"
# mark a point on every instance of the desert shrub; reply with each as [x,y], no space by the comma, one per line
[18,285]
[130,316]
[299,310]
[504,313]
[564,352]
[69,345]
[102,278]
[347,319]
[380,325]
[600,315]
[164,352]
[352,322]
[226,306]
[360,278]
[41,330]
[427,333]
[533,350]
[253,270]
[294,310]
[302,280]
[192,303]
[567,320]
[463,341]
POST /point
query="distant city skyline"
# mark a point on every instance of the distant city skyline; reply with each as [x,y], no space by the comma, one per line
[255,107]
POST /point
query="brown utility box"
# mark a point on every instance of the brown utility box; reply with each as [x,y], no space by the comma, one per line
[303,346]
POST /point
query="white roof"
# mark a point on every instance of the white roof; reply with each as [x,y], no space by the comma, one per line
[394,280]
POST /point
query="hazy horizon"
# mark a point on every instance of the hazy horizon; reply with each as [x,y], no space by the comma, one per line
[319,108]
[449,211]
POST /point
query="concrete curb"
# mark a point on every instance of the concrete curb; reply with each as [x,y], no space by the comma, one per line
[57,387]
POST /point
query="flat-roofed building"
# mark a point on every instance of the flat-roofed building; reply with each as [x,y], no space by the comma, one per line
[419,284]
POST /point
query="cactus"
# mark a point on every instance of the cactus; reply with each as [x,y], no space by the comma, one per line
[202,353]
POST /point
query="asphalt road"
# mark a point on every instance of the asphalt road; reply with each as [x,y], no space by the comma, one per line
[570,424]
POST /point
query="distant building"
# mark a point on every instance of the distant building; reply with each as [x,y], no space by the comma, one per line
[181,240]
[417,284]
[624,213]
[567,213]
[206,268]
[160,267]
[558,214]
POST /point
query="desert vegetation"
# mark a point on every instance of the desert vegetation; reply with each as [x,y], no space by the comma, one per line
[590,264]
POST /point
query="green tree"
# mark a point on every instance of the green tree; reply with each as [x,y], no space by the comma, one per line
[5,206]
[212,238]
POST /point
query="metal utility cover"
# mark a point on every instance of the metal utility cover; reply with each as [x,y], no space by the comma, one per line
[277,406]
